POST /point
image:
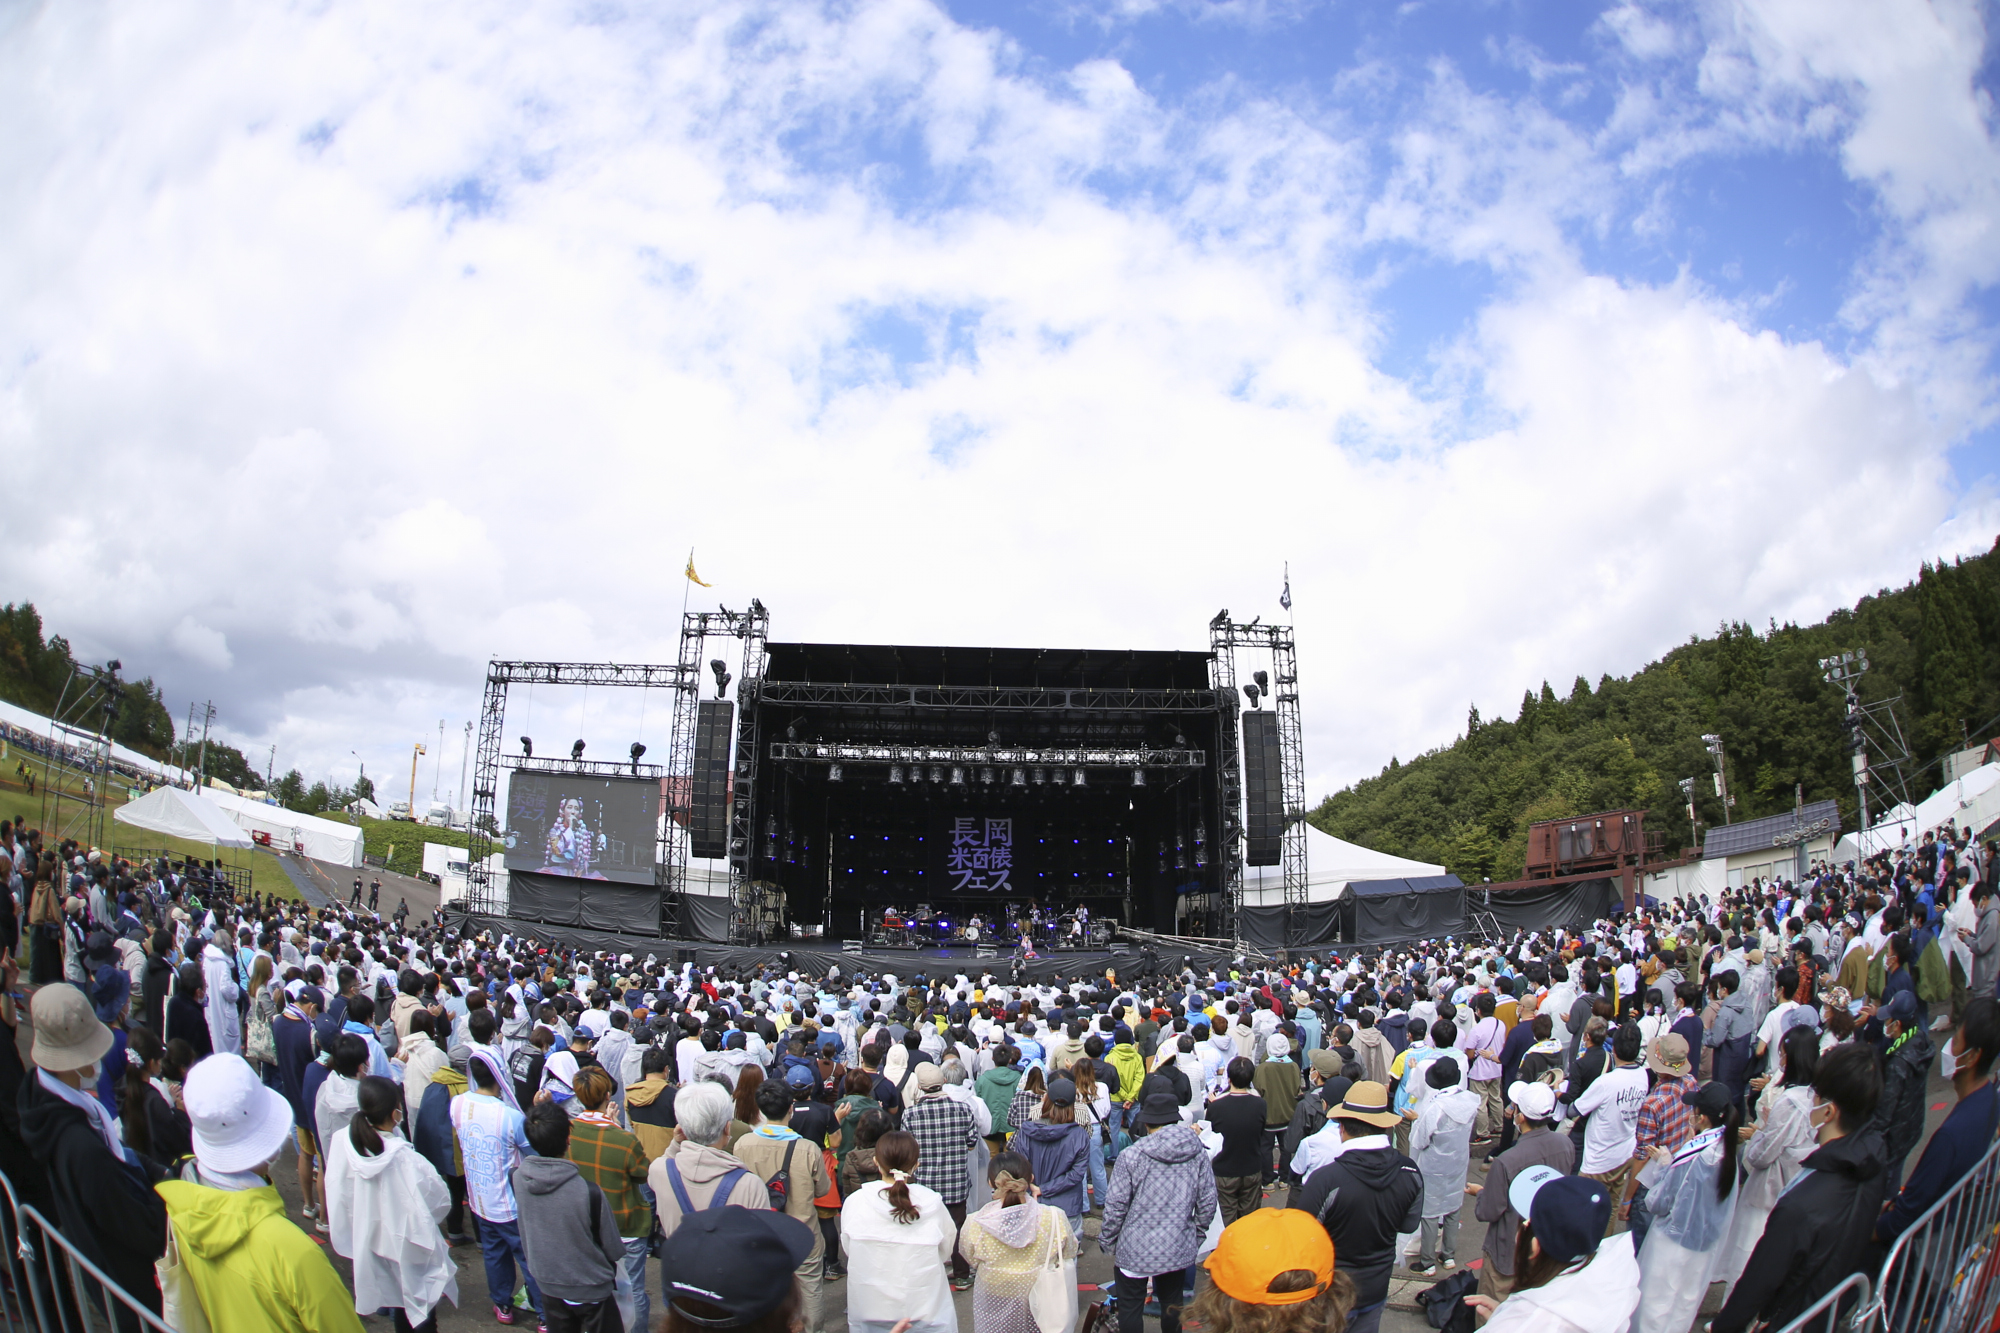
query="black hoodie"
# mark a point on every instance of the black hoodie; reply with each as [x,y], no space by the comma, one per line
[1817,1234]
[105,1208]
[1365,1198]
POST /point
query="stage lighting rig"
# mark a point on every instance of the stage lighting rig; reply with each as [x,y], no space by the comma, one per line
[576,752]
[833,773]
[527,748]
[1263,679]
[638,752]
[1253,692]
[722,676]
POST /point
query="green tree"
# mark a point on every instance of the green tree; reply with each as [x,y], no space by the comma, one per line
[290,791]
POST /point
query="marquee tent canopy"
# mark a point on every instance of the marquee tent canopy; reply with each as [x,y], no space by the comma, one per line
[182,814]
[1970,800]
[1331,865]
[321,839]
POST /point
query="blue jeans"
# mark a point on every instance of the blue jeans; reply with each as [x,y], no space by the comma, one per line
[500,1243]
[1640,1221]
[1100,1188]
[635,1268]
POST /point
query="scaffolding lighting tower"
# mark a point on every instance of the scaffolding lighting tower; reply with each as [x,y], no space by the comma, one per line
[1282,687]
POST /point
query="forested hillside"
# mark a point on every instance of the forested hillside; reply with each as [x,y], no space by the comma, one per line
[35,673]
[1628,741]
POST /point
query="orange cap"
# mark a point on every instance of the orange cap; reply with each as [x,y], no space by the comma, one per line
[1260,1245]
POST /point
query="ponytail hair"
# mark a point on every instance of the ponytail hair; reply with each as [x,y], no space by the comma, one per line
[1725,1179]
[142,1048]
[1011,1178]
[896,1157]
[379,1099]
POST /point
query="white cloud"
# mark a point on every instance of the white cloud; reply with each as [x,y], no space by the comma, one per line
[395,336]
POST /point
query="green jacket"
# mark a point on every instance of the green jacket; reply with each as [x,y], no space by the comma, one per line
[1131,1067]
[1278,1081]
[996,1087]
[253,1269]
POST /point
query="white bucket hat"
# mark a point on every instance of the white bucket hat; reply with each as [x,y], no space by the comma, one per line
[239,1124]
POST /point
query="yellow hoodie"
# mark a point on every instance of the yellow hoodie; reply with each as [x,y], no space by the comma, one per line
[252,1267]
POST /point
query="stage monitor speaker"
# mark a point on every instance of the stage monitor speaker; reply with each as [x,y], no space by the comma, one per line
[1263,789]
[708,813]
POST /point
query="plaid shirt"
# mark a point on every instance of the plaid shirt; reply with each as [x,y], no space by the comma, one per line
[944,1132]
[1663,1120]
[611,1159]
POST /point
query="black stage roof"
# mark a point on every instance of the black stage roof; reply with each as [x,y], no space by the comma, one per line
[1056,668]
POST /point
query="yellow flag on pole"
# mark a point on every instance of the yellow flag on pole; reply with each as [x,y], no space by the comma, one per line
[694,577]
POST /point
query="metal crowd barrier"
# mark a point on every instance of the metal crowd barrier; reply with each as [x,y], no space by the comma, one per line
[47,1286]
[1941,1276]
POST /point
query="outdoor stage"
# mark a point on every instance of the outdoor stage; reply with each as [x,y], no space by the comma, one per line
[816,957]
[947,783]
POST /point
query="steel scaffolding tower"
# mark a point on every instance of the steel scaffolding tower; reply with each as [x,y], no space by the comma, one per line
[1224,637]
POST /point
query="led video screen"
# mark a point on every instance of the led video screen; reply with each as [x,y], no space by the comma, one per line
[582,826]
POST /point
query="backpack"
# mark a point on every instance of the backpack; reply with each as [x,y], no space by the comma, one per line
[779,1187]
[723,1188]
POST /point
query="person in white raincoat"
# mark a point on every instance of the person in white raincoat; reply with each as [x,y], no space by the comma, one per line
[1569,1277]
[1691,1202]
[1022,1254]
[1774,1148]
[1441,1145]
[898,1239]
[384,1202]
[225,1022]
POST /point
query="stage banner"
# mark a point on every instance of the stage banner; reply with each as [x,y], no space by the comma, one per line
[978,853]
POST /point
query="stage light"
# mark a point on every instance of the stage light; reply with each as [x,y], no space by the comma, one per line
[937,775]
[896,774]
[576,752]
[1251,692]
[1263,681]
[957,776]
[638,753]
[833,773]
[986,776]
[1079,777]
[992,738]
[1040,777]
[1020,779]
[721,670]
[527,748]
[1138,777]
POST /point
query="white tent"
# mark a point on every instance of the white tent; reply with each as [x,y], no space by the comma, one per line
[288,830]
[182,814]
[1970,800]
[1331,865]
[42,729]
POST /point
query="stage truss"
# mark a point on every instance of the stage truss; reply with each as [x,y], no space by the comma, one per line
[1225,636]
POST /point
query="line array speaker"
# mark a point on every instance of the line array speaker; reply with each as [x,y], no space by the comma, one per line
[708,814]
[1263,789]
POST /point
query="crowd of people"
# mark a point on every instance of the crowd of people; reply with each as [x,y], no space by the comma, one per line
[1636,1109]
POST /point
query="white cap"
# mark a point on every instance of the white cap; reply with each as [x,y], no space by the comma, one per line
[239,1124]
[1537,1101]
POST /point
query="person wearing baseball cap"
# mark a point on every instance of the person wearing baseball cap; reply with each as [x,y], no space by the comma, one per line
[733,1268]
[100,1188]
[1381,1197]
[1532,1106]
[251,1267]
[1274,1270]
[1570,1277]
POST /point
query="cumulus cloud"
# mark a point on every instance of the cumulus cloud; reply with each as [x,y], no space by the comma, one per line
[384,338]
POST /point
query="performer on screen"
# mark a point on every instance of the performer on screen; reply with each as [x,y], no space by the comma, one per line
[569,844]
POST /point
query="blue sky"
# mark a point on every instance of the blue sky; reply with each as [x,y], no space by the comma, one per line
[938,321]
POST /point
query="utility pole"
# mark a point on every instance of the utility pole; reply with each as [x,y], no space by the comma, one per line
[1687,795]
[270,766]
[187,737]
[464,759]
[201,770]
[437,765]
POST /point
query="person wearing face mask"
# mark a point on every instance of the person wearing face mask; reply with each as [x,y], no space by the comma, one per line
[1817,1235]
[103,1200]
[385,1201]
[249,1266]
[1958,1144]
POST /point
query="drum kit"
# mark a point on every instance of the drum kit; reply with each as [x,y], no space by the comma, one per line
[922,927]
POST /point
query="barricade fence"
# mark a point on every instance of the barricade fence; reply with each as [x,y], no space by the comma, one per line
[1942,1275]
[50,1287]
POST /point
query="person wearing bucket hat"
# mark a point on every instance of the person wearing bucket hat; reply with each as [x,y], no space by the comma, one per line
[1274,1271]
[250,1266]
[1570,1278]
[102,1200]
[1365,1197]
[1162,1198]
